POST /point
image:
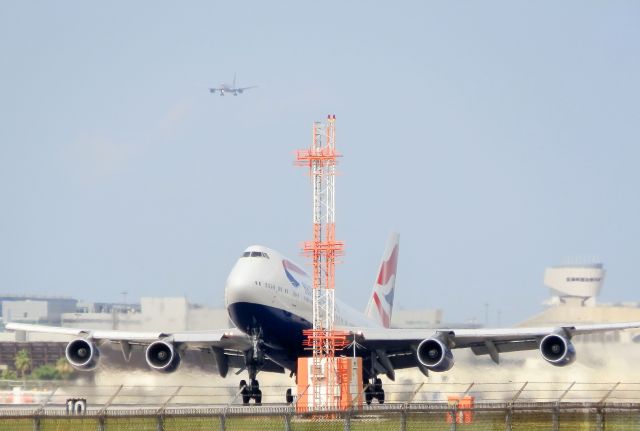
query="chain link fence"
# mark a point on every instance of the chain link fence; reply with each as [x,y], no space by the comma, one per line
[493,416]
[506,406]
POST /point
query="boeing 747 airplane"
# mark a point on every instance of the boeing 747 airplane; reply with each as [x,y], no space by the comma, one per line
[268,298]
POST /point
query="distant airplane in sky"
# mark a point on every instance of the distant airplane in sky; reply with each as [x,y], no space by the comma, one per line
[226,88]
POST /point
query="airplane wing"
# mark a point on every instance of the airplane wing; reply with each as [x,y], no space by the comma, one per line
[231,337]
[227,346]
[246,88]
[461,338]
[406,348]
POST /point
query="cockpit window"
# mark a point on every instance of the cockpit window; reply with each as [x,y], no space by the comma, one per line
[255,254]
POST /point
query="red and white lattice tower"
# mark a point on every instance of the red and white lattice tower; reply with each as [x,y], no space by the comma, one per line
[323,339]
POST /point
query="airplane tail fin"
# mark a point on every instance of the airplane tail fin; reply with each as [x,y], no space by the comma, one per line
[380,304]
[234,80]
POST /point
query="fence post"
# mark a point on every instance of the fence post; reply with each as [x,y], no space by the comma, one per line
[171,397]
[110,400]
[160,423]
[555,426]
[46,401]
[564,394]
[101,426]
[508,418]
[466,392]
[403,418]
[604,399]
[287,422]
[413,395]
[36,423]
[454,417]
[347,421]
[599,419]
[223,425]
[517,395]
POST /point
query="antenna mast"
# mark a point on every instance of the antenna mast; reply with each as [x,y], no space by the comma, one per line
[321,159]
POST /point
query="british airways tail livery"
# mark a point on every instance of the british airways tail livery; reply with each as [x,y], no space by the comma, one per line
[268,298]
[380,305]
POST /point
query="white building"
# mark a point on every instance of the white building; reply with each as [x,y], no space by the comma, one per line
[34,308]
[156,314]
[426,318]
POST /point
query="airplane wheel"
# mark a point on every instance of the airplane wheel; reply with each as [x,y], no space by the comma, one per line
[378,392]
[257,396]
[253,391]
[289,396]
[377,385]
[255,385]
[368,396]
[246,394]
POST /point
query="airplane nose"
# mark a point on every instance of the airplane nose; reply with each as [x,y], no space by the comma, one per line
[237,285]
[242,281]
[247,278]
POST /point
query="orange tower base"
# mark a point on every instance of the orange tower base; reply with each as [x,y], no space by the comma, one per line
[349,383]
[464,414]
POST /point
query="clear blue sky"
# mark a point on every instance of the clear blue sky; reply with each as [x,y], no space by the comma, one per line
[497,137]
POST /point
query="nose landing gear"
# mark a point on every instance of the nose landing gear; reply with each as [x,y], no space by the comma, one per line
[254,360]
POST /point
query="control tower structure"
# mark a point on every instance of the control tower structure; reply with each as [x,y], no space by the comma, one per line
[574,284]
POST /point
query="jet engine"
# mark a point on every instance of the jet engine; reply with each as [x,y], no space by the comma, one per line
[82,354]
[557,350]
[162,356]
[435,355]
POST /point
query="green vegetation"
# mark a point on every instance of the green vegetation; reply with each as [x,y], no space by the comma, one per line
[64,369]
[8,375]
[376,421]
[23,363]
[45,372]
[61,370]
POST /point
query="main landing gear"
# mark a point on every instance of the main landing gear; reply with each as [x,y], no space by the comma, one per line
[251,391]
[373,391]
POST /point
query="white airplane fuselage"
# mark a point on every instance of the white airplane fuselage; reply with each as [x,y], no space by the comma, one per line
[267,292]
[225,88]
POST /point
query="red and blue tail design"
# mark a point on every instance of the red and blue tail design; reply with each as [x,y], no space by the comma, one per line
[380,305]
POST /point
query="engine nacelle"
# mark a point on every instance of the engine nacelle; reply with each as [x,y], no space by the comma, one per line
[557,350]
[162,356]
[435,355]
[82,354]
